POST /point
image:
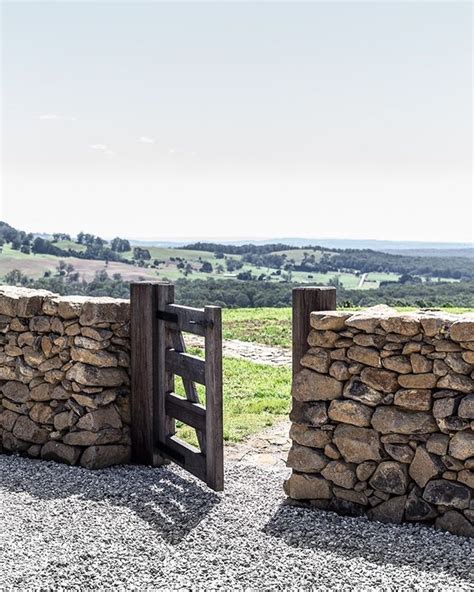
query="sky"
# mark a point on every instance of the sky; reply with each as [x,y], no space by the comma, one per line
[226,120]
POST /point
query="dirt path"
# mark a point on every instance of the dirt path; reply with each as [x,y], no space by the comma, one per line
[267,449]
[246,350]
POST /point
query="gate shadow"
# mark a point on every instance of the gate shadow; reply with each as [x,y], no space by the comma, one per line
[172,505]
[401,545]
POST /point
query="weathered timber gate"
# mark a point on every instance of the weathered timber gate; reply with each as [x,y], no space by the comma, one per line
[158,355]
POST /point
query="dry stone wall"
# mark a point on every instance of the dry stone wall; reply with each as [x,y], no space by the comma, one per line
[64,377]
[383,417]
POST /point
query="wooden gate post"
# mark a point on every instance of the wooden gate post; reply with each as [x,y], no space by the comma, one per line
[305,300]
[144,369]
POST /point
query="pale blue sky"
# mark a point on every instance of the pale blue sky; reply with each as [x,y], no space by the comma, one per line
[168,120]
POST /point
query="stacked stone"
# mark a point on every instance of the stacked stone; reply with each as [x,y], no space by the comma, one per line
[383,412]
[64,377]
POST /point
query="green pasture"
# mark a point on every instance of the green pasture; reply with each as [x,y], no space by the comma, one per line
[255,397]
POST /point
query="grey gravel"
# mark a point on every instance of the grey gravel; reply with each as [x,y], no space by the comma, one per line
[137,528]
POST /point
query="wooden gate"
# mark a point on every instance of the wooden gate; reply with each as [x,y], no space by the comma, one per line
[158,355]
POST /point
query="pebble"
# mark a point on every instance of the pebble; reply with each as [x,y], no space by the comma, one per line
[138,528]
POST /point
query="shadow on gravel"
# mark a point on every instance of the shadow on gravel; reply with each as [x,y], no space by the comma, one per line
[404,546]
[171,505]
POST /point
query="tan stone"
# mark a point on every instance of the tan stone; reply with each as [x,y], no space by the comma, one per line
[400,364]
[415,399]
[41,413]
[8,419]
[309,386]
[444,407]
[466,407]
[105,417]
[339,371]
[418,381]
[390,511]
[350,412]
[444,345]
[92,344]
[381,380]
[73,330]
[438,444]
[303,486]
[388,420]
[306,460]
[63,420]
[461,445]
[369,319]
[457,364]
[390,477]
[358,391]
[329,320]
[13,351]
[365,355]
[440,368]
[322,338]
[26,339]
[99,457]
[102,359]
[340,473]
[40,324]
[357,444]
[85,438]
[308,436]
[105,310]
[468,357]
[51,364]
[106,377]
[60,452]
[401,324]
[367,340]
[317,359]
[463,329]
[25,429]
[456,382]
[420,364]
[21,302]
[400,452]
[365,470]
[425,466]
[96,334]
[313,413]
[16,391]
[33,357]
[332,452]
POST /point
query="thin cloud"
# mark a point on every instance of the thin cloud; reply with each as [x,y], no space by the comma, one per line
[56,117]
[103,148]
[146,140]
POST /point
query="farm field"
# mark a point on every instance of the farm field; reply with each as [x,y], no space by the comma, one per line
[35,265]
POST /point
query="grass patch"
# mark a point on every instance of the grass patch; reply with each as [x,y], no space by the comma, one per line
[255,397]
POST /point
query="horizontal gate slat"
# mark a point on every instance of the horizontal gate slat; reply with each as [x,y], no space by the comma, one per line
[190,320]
[192,414]
[185,456]
[187,366]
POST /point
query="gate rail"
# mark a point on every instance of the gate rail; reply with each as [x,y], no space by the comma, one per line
[158,355]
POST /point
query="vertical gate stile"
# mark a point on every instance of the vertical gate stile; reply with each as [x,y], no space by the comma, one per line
[305,301]
[214,406]
[144,342]
[165,379]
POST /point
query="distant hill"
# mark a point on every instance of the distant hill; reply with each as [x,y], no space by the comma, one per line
[468,252]
[418,247]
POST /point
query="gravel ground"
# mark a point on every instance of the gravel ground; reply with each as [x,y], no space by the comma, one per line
[138,528]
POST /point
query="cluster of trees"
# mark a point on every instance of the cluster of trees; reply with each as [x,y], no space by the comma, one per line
[220,249]
[232,293]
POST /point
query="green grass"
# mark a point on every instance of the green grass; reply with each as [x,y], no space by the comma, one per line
[255,397]
[271,326]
